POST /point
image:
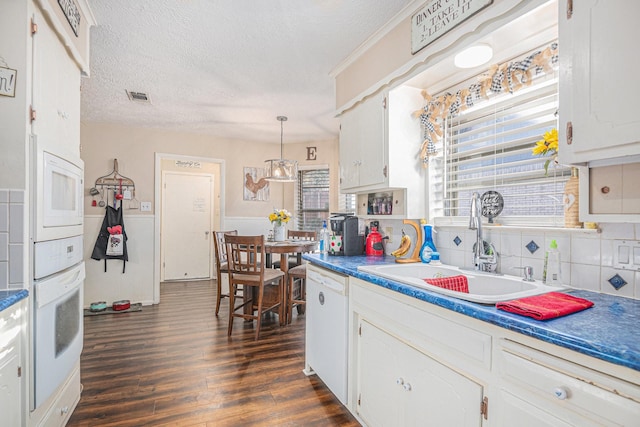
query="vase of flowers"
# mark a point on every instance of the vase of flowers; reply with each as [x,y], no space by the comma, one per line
[548,146]
[279,217]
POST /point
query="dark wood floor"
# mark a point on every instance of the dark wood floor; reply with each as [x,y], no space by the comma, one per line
[172,364]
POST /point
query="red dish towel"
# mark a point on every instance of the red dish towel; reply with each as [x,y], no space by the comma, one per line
[547,306]
[453,283]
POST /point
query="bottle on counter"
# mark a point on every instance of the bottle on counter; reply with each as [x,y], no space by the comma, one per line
[324,238]
[428,247]
[551,272]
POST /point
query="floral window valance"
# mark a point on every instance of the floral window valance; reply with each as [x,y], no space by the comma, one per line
[507,77]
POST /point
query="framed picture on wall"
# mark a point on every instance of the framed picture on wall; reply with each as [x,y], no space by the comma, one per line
[8,81]
[256,188]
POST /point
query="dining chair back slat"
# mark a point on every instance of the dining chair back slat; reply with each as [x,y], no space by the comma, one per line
[222,267]
[297,276]
[301,235]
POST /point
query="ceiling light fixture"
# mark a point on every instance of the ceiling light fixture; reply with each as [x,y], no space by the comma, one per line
[473,56]
[281,170]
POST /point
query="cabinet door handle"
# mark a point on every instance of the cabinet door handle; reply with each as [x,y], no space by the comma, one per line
[406,387]
[400,381]
[605,190]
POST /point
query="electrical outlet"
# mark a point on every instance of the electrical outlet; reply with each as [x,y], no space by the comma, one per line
[145,206]
[388,231]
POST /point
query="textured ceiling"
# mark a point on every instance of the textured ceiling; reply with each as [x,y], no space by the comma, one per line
[226,67]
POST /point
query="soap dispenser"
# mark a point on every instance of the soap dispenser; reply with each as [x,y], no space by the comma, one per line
[551,272]
[428,247]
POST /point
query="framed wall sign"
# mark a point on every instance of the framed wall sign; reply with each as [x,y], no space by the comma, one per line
[438,17]
[72,13]
[8,78]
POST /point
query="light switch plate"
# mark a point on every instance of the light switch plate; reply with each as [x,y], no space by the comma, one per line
[145,206]
[626,254]
[388,231]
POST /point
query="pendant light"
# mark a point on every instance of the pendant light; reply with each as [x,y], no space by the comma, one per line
[281,170]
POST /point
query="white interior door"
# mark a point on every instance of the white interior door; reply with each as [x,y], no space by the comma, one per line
[187,219]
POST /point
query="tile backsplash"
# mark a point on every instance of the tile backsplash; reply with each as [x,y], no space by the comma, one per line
[12,244]
[587,256]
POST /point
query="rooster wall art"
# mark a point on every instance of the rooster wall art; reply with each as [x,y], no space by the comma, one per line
[256,188]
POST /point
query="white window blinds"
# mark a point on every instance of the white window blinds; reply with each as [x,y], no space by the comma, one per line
[488,147]
[312,199]
[347,202]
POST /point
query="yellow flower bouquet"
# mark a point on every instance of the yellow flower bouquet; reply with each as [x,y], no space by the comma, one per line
[547,146]
[280,217]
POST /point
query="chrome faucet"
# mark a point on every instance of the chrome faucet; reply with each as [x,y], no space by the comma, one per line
[482,260]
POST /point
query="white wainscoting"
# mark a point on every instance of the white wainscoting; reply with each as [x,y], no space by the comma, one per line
[136,284]
[249,226]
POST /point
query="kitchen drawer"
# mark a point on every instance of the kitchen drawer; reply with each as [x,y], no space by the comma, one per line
[564,386]
[328,278]
[11,324]
[65,403]
[421,327]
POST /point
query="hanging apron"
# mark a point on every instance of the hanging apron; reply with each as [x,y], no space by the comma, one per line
[112,217]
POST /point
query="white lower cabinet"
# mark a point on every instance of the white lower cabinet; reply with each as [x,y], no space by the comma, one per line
[398,385]
[12,322]
[412,363]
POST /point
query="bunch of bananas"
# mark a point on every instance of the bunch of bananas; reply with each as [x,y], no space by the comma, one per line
[405,245]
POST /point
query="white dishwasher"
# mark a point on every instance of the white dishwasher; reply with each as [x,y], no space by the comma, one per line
[327,329]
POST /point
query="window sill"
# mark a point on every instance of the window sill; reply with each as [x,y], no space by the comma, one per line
[545,225]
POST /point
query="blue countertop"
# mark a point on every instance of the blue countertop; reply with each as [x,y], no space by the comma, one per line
[608,331]
[8,298]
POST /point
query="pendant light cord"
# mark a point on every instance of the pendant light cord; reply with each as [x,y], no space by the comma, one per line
[282,119]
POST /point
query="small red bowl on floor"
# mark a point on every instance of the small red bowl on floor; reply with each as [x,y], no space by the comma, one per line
[124,304]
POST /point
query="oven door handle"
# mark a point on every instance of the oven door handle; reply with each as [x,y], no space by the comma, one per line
[55,287]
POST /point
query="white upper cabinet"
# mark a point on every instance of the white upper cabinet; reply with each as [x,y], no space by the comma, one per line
[380,142]
[56,90]
[599,113]
[362,153]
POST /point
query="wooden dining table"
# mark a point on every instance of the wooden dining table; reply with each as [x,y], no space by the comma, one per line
[285,248]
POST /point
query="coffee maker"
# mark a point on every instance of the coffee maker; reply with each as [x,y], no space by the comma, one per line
[351,228]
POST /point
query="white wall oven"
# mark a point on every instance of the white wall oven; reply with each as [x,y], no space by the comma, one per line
[58,193]
[57,330]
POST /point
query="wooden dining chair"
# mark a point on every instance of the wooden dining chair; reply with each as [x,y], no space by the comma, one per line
[222,266]
[246,258]
[301,235]
[297,277]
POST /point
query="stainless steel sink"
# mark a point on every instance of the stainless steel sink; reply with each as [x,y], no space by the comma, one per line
[483,288]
